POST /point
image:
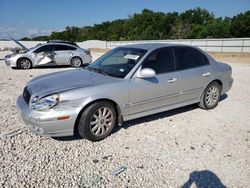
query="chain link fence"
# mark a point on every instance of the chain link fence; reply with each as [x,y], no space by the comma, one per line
[241,45]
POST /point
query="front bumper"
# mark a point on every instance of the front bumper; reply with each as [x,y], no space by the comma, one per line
[45,123]
[10,61]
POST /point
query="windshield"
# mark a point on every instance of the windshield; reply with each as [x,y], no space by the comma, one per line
[118,62]
[32,48]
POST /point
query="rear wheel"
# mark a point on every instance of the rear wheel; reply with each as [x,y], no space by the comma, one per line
[24,63]
[97,121]
[211,96]
[76,62]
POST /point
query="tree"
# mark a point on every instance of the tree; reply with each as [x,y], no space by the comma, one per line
[240,26]
[150,25]
[25,39]
[180,30]
[197,16]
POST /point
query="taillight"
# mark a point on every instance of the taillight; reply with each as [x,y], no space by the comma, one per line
[87,52]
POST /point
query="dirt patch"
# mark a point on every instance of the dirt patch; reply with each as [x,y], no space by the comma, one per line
[99,50]
[231,57]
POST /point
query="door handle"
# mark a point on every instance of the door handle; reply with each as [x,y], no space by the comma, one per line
[206,74]
[172,80]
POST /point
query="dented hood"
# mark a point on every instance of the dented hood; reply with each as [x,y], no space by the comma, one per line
[19,44]
[66,80]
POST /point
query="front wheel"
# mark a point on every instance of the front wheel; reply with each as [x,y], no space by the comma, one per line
[24,63]
[97,121]
[211,96]
[76,62]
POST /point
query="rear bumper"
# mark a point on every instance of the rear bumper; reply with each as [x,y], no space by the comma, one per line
[227,85]
[88,59]
[45,123]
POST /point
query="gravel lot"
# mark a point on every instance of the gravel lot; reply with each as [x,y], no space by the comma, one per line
[180,147]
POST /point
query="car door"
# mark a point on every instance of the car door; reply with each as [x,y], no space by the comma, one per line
[43,55]
[195,73]
[159,91]
[62,54]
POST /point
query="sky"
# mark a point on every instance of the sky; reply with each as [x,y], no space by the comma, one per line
[19,18]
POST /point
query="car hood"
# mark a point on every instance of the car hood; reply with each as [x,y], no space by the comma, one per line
[66,80]
[19,44]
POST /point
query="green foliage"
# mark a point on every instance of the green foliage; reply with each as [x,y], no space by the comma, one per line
[240,26]
[218,29]
[181,30]
[149,25]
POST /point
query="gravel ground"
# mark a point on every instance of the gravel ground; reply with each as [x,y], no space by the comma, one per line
[171,149]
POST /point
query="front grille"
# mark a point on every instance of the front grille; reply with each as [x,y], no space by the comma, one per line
[26,95]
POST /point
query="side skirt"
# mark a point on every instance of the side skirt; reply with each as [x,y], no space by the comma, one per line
[158,110]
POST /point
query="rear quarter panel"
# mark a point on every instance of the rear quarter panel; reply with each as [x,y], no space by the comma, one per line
[80,53]
[222,72]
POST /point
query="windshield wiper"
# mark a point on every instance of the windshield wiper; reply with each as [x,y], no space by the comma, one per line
[97,70]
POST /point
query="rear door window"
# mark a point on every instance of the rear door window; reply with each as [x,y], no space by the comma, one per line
[71,48]
[61,48]
[187,58]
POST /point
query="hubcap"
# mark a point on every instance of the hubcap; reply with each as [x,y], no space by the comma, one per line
[212,96]
[101,121]
[25,64]
[76,62]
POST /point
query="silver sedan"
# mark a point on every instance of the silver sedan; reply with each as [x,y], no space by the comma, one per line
[126,83]
[51,53]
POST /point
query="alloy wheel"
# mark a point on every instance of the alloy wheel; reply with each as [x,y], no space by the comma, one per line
[76,62]
[25,64]
[212,96]
[101,121]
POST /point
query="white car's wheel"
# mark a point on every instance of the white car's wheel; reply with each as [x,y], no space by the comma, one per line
[76,62]
[24,63]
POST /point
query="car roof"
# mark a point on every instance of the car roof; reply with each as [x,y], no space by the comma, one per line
[62,42]
[57,43]
[152,46]
[52,43]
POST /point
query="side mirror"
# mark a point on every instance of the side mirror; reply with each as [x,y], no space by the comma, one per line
[147,73]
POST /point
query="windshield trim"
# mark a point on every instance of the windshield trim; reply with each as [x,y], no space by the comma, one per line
[96,70]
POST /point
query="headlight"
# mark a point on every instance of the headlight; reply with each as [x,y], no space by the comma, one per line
[45,102]
[10,56]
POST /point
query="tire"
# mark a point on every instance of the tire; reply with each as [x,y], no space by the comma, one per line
[97,121]
[76,62]
[211,96]
[24,63]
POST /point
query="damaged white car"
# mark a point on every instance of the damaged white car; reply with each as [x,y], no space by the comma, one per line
[48,54]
